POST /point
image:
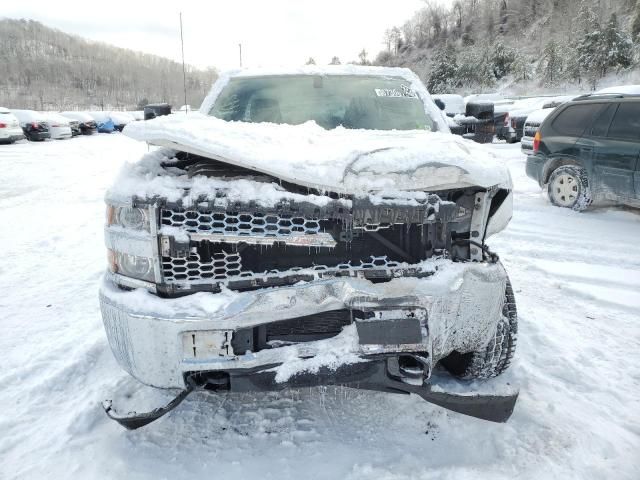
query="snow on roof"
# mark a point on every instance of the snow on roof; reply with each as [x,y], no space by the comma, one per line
[28,116]
[539,115]
[80,116]
[55,117]
[623,89]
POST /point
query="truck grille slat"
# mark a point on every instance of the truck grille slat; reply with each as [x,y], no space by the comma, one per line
[239,223]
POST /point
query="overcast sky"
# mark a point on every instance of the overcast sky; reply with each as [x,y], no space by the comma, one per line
[272,32]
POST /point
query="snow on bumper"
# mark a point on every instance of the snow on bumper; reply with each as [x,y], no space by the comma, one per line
[147,333]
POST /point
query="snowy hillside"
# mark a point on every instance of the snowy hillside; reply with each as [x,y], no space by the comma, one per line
[576,278]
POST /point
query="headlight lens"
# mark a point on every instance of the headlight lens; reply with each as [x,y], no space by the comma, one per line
[131,266]
[128,217]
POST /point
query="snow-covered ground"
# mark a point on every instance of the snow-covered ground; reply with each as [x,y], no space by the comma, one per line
[577,281]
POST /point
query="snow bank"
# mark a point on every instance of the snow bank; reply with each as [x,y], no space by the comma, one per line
[340,160]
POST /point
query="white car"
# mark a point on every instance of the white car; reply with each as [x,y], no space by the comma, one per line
[10,129]
[59,126]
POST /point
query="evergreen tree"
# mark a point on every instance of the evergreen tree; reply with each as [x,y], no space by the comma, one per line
[475,67]
[502,59]
[618,47]
[590,52]
[551,65]
[444,72]
[522,67]
[310,61]
[335,61]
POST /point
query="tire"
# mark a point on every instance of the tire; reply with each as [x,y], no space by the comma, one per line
[497,355]
[568,187]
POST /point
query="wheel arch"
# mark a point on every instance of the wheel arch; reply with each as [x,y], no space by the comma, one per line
[556,162]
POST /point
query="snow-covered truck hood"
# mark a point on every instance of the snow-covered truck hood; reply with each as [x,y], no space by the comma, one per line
[339,160]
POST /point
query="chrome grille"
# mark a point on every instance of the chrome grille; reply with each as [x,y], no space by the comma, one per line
[222,265]
[239,223]
[225,266]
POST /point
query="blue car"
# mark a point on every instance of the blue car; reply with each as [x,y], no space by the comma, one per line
[106,126]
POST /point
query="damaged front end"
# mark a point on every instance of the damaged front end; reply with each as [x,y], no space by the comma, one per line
[311,288]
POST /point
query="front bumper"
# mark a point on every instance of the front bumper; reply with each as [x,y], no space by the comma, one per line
[151,336]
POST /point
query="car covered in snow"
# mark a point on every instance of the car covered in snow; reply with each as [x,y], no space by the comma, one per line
[588,152]
[311,226]
[59,126]
[34,125]
[104,123]
[10,129]
[86,123]
[531,127]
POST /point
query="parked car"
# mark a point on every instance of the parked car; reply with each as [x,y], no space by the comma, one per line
[531,126]
[121,119]
[85,121]
[322,266]
[519,111]
[587,152]
[75,127]
[34,125]
[104,124]
[10,130]
[59,126]
[154,110]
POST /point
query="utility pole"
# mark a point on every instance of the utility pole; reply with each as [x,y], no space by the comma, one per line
[240,48]
[184,74]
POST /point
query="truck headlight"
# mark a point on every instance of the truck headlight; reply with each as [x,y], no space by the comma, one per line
[128,217]
[131,266]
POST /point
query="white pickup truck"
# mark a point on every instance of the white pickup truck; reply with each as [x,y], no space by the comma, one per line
[311,226]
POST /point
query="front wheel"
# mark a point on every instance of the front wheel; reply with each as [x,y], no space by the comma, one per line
[497,355]
[569,187]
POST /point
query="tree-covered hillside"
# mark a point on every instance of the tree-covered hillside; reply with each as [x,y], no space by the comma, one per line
[481,44]
[44,68]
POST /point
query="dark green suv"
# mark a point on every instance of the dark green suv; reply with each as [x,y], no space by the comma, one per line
[588,152]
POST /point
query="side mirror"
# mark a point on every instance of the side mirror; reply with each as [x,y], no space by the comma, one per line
[439,103]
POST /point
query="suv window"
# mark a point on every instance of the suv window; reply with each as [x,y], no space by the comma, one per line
[626,123]
[573,120]
[601,124]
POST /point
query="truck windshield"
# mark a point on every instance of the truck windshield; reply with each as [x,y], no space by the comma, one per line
[351,101]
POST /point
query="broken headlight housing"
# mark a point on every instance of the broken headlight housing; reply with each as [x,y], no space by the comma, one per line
[132,266]
[128,217]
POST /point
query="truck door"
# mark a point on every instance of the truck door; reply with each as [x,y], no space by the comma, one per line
[615,156]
